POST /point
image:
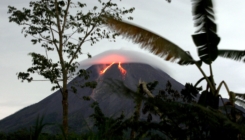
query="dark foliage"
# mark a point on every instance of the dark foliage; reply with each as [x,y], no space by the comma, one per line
[232,54]
[180,119]
[206,40]
[208,99]
[107,128]
[183,120]
[190,92]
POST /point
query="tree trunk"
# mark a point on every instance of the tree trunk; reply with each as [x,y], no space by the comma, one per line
[65,111]
[149,94]
[65,107]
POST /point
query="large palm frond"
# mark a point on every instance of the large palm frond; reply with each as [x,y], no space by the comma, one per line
[151,41]
[206,38]
[232,54]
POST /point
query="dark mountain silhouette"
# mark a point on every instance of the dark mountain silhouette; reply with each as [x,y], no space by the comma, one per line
[108,94]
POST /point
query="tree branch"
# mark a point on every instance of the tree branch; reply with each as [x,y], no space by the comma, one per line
[86,35]
[145,89]
[65,16]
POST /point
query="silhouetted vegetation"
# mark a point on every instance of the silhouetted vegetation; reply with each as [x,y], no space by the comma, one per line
[171,115]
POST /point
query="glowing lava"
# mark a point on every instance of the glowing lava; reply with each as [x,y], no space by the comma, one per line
[122,70]
[103,71]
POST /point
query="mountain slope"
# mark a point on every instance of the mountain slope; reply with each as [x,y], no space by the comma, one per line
[107,93]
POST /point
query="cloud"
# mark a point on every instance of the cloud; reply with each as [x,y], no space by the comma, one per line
[124,56]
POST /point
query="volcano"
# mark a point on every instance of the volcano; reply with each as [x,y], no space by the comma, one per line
[112,80]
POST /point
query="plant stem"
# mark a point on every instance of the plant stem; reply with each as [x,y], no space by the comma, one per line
[208,81]
[232,100]
[211,70]
[200,80]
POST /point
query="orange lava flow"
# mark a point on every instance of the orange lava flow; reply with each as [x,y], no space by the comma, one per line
[103,71]
[123,71]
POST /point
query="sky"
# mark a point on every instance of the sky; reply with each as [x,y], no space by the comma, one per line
[170,20]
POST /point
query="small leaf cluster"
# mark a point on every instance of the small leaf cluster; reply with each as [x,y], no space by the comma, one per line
[107,127]
[84,78]
[190,92]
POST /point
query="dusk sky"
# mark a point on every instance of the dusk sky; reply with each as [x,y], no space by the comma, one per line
[170,20]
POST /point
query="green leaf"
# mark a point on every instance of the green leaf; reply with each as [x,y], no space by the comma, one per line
[206,38]
[151,41]
[236,55]
[207,46]
[89,56]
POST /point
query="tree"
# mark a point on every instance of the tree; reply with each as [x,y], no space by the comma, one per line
[205,39]
[182,118]
[170,115]
[54,25]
